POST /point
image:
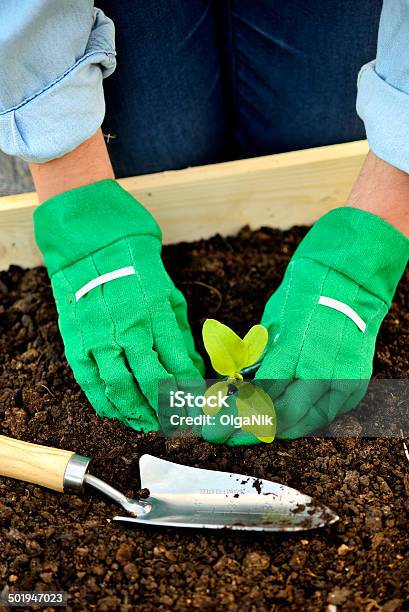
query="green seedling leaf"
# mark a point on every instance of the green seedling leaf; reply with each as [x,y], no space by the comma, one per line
[255,342]
[212,407]
[252,402]
[230,354]
[226,350]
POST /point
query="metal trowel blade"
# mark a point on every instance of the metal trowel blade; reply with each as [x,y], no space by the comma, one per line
[182,496]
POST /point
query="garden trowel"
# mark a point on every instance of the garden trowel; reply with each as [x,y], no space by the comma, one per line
[175,495]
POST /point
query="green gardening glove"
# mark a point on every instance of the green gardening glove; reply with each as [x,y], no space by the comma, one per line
[324,319]
[123,321]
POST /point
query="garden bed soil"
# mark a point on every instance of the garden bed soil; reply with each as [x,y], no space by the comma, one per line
[53,541]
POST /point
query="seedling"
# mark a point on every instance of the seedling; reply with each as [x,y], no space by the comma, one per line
[230,355]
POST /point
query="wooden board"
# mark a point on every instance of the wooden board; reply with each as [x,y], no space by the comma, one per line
[276,190]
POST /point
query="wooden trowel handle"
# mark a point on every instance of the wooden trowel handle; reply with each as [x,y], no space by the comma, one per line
[49,467]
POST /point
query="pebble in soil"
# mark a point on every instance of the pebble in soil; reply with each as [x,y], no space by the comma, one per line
[51,541]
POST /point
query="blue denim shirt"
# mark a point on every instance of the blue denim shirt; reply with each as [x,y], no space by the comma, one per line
[383,88]
[54,55]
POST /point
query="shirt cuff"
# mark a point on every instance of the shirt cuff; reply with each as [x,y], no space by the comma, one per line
[66,111]
[385,111]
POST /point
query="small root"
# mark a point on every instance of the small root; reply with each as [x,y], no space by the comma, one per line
[47,389]
[211,288]
[405,446]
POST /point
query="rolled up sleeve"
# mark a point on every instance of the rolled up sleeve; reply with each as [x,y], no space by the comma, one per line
[53,58]
[383,88]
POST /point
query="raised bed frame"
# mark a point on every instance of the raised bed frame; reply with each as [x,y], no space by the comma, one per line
[276,190]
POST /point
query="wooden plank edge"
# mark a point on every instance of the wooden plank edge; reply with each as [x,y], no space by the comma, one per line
[277,190]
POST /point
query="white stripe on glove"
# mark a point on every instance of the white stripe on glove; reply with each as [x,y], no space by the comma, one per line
[345,309]
[104,278]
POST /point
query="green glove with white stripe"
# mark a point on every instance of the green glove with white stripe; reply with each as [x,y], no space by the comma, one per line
[123,322]
[324,318]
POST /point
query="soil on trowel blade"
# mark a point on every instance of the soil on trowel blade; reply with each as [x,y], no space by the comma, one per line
[52,541]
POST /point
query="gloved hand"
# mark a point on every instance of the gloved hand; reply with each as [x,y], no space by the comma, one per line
[123,321]
[324,319]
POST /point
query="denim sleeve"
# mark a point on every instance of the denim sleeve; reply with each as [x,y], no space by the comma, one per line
[53,58]
[383,88]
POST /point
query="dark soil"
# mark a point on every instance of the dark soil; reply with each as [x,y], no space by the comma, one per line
[54,541]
